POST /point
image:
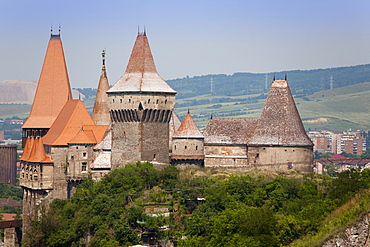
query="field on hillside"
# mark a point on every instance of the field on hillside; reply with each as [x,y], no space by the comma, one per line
[12,110]
[338,109]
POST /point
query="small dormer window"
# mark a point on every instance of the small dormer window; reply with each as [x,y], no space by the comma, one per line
[148,101]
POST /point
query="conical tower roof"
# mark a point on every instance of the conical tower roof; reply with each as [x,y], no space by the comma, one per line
[100,112]
[188,129]
[280,123]
[53,89]
[141,74]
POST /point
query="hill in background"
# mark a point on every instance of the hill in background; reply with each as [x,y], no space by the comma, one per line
[242,95]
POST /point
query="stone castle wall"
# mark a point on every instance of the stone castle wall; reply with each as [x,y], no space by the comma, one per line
[281,158]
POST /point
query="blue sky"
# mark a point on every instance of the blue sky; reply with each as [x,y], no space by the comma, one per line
[186,37]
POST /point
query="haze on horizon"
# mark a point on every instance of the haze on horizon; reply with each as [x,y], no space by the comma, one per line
[187,38]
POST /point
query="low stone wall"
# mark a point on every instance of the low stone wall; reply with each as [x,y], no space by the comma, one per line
[355,235]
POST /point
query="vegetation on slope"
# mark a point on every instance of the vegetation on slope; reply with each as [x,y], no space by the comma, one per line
[249,209]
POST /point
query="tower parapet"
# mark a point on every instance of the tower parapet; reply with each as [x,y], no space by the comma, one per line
[141,104]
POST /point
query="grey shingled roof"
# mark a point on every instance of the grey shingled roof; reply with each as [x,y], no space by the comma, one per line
[141,74]
[280,123]
[106,142]
[229,130]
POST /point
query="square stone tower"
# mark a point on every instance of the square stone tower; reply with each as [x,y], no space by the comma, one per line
[141,105]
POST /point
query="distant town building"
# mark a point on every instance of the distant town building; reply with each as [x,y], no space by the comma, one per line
[329,142]
[8,164]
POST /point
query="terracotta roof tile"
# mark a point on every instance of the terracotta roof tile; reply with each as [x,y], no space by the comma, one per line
[83,137]
[188,129]
[280,123]
[38,154]
[229,130]
[141,74]
[27,149]
[53,89]
[68,123]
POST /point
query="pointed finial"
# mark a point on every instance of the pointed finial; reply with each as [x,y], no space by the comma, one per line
[51,28]
[103,56]
[59,28]
[211,115]
[138,29]
[273,78]
[144,31]
[188,111]
[79,95]
[286,76]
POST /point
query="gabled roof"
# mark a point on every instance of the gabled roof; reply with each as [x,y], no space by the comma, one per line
[83,137]
[229,130]
[100,113]
[141,74]
[53,89]
[68,123]
[188,129]
[89,134]
[280,123]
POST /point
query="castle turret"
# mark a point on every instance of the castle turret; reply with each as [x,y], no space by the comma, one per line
[53,91]
[141,105]
[100,112]
[280,141]
[188,144]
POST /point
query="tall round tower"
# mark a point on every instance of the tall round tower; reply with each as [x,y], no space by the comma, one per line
[141,105]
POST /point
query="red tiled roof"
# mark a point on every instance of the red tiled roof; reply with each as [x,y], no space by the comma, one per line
[38,154]
[280,123]
[53,89]
[6,217]
[229,130]
[27,149]
[68,123]
[347,161]
[9,202]
[141,74]
[188,129]
[338,156]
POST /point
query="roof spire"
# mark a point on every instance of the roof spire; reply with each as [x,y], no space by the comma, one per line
[51,28]
[286,77]
[138,29]
[274,78]
[59,28]
[211,115]
[188,111]
[144,31]
[103,57]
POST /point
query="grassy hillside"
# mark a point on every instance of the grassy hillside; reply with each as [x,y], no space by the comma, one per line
[242,95]
[20,110]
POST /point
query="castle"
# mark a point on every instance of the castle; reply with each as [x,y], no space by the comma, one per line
[134,120]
